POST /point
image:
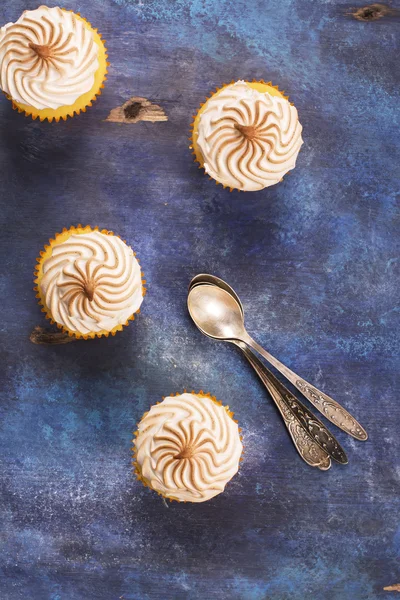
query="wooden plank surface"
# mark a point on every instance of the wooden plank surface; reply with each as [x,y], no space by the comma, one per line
[315,260]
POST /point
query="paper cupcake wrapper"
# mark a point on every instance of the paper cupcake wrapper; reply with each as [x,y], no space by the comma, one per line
[193,145]
[136,467]
[85,100]
[46,253]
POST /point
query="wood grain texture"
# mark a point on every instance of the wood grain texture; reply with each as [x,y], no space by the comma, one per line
[137,109]
[50,337]
[373,12]
[315,260]
[392,588]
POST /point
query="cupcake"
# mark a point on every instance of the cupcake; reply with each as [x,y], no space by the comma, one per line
[89,282]
[187,447]
[247,136]
[52,63]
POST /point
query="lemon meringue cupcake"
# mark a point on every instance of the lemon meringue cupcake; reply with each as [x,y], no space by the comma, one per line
[52,63]
[89,282]
[187,447]
[247,135]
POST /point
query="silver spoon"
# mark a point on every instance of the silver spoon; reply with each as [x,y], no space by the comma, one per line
[309,450]
[218,315]
[331,409]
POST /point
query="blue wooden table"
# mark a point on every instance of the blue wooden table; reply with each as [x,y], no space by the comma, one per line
[315,260]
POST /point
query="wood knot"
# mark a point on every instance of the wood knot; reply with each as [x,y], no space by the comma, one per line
[137,109]
[372,12]
[48,337]
[44,52]
[132,110]
[248,131]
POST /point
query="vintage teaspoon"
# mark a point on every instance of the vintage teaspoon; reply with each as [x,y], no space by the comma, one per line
[218,315]
[331,409]
[311,452]
[308,449]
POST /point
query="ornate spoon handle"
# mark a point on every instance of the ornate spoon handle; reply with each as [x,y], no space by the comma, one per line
[322,402]
[308,449]
[317,430]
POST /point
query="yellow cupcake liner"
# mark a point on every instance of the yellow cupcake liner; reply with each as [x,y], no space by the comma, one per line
[81,103]
[260,85]
[136,467]
[59,238]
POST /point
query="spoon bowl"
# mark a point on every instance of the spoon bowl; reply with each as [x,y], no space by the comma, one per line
[216,312]
[206,278]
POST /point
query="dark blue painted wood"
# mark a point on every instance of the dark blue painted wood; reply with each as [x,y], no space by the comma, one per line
[316,261]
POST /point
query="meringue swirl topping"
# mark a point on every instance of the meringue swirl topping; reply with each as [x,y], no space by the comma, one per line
[48,58]
[91,282]
[248,140]
[188,447]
